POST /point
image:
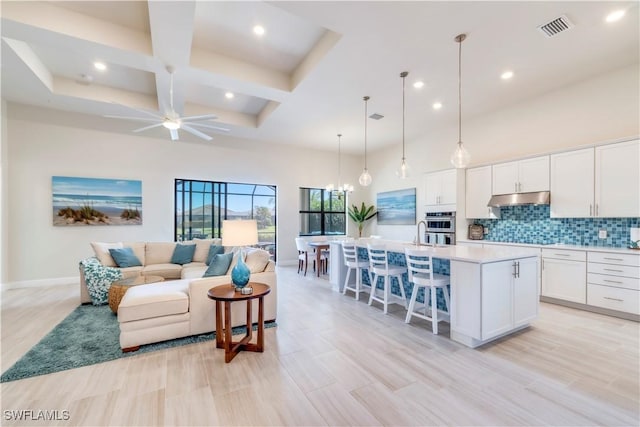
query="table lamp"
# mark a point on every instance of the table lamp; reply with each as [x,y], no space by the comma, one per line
[241,232]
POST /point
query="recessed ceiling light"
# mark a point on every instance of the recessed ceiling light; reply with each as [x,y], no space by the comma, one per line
[616,15]
[229,95]
[506,75]
[437,105]
[258,30]
[419,84]
[99,65]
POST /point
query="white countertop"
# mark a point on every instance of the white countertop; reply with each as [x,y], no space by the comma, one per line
[473,254]
[559,246]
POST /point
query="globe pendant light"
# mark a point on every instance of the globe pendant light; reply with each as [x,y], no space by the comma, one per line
[404,170]
[460,157]
[365,176]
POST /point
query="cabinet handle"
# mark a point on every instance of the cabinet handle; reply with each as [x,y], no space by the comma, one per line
[515,184]
[514,270]
[597,209]
[519,186]
[590,209]
[611,269]
[518,268]
[614,259]
[543,263]
[562,254]
[614,299]
[612,281]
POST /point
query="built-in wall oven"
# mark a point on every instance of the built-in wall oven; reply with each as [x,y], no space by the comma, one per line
[441,228]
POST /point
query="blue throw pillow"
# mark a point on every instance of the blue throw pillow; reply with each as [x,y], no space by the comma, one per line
[219,265]
[183,254]
[124,257]
[213,251]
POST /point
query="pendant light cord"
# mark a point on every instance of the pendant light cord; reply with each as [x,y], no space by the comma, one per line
[339,156]
[404,76]
[366,100]
[460,40]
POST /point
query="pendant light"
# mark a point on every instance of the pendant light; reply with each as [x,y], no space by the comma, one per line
[365,176]
[342,188]
[460,157]
[404,170]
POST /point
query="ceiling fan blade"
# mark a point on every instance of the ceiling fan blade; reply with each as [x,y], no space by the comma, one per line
[174,134]
[204,125]
[148,127]
[196,132]
[202,117]
[137,119]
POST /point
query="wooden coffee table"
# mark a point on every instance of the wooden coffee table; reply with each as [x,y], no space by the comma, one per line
[228,294]
[120,287]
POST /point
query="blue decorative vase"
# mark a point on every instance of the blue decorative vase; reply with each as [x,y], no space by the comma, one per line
[240,273]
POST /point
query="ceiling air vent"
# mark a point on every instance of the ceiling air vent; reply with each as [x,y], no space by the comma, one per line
[555,27]
[376,116]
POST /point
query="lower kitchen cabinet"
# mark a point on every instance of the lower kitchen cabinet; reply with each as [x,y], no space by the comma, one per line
[614,281]
[564,275]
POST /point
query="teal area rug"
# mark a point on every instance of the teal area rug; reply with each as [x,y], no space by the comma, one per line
[89,335]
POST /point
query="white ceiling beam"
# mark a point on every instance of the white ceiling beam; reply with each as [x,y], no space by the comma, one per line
[31,60]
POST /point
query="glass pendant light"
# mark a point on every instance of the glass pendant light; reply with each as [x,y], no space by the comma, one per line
[460,157]
[365,176]
[404,169]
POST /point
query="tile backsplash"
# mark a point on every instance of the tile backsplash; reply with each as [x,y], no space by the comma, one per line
[533,224]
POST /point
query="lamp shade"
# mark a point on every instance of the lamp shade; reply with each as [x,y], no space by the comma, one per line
[241,232]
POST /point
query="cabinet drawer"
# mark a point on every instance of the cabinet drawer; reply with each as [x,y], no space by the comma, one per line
[619,282]
[618,259]
[626,300]
[564,254]
[613,270]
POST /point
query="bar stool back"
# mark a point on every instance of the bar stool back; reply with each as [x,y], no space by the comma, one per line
[379,267]
[351,261]
[420,266]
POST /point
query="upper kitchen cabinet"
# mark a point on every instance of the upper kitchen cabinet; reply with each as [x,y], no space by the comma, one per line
[617,186]
[478,193]
[522,176]
[440,190]
[596,182]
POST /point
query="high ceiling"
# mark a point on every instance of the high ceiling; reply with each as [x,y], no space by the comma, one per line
[303,81]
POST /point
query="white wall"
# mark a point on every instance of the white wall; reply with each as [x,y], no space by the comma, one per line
[4,193]
[598,110]
[39,150]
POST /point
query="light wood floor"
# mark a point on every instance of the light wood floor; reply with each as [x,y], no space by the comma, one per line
[335,361]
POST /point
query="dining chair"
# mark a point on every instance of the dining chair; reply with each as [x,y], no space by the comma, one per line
[420,267]
[303,254]
[379,267]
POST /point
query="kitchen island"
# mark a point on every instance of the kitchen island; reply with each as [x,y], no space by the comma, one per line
[494,291]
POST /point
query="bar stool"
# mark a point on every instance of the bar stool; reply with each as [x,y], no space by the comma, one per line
[350,254]
[379,266]
[421,274]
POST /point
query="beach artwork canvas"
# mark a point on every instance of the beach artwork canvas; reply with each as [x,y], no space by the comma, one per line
[96,201]
[397,207]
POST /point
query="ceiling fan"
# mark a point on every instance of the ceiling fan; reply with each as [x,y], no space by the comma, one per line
[172,120]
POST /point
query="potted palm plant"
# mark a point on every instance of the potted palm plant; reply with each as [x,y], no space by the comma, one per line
[362,215]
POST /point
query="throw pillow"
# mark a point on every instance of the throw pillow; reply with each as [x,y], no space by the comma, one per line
[219,265]
[102,252]
[257,260]
[183,254]
[213,251]
[124,257]
[99,279]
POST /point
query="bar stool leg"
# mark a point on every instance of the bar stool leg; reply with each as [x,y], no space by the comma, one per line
[434,310]
[412,303]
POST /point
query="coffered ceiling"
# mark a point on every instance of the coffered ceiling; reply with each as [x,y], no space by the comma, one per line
[302,82]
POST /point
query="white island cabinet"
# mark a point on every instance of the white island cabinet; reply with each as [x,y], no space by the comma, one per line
[492,299]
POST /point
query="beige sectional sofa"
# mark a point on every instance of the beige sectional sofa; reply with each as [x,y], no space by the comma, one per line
[179,306]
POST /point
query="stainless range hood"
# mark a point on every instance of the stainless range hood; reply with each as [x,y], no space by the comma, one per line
[535,198]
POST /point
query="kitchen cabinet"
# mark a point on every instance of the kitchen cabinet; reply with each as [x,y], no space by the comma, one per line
[478,193]
[564,275]
[522,176]
[441,190]
[596,182]
[493,299]
[613,281]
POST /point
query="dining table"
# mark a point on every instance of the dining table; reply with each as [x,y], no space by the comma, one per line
[319,246]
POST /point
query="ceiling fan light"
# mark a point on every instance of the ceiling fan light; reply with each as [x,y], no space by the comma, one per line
[171,124]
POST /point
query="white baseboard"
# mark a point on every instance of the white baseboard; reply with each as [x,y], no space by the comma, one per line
[39,283]
[287,262]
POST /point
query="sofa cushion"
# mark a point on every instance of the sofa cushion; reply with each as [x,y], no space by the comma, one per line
[168,271]
[159,252]
[219,265]
[102,252]
[154,300]
[196,271]
[124,257]
[138,249]
[257,260]
[213,251]
[202,248]
[131,272]
[183,254]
